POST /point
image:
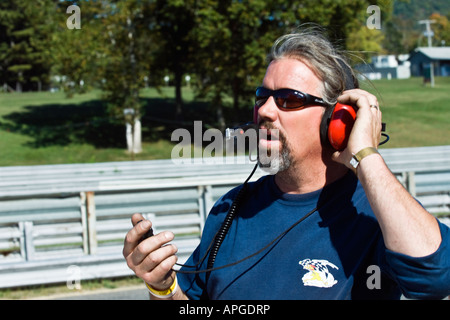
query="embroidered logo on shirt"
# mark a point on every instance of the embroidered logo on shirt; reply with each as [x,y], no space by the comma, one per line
[318,274]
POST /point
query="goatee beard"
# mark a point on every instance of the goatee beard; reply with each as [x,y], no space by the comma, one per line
[274,161]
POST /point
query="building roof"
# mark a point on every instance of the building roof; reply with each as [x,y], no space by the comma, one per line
[435,53]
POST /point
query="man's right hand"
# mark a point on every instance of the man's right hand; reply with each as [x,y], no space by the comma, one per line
[151,259]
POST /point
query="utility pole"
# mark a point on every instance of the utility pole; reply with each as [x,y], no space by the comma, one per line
[429,34]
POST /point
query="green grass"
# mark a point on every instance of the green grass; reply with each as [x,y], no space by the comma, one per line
[48,128]
[416,115]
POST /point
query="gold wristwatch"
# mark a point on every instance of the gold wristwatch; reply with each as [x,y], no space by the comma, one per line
[356,159]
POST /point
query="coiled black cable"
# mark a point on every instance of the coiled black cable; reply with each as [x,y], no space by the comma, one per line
[226,224]
[218,238]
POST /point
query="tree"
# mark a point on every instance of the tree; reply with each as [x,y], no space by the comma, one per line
[112,50]
[78,54]
[403,33]
[127,60]
[25,32]
[173,29]
[234,37]
[441,29]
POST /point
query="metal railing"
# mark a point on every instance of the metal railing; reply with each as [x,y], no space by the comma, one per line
[56,216]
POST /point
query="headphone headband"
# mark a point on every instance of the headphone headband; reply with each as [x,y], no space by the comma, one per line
[350,81]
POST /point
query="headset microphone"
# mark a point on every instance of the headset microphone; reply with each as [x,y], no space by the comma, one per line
[231,132]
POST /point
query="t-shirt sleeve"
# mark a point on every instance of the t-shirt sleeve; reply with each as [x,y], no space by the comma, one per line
[424,277]
[192,284]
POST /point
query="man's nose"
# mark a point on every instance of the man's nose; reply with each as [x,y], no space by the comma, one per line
[268,111]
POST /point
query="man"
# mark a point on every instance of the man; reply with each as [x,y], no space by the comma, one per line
[318,228]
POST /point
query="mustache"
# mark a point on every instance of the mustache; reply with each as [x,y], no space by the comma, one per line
[267,125]
[270,126]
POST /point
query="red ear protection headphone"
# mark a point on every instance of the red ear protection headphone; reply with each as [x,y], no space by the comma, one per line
[337,122]
[336,126]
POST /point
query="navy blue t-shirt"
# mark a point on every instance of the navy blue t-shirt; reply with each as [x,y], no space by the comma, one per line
[335,253]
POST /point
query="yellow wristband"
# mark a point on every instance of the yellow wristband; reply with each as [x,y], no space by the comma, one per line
[164,294]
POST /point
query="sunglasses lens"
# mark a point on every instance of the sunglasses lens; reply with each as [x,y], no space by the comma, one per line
[289,99]
[284,98]
[262,94]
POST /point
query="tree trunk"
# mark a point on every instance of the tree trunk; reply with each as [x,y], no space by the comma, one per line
[18,86]
[137,136]
[217,102]
[178,95]
[236,99]
[134,136]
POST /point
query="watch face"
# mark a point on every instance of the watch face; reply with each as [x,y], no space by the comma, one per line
[354,162]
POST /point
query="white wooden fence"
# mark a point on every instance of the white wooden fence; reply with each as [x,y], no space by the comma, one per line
[56,216]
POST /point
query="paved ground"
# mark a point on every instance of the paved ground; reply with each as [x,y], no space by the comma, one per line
[126,293]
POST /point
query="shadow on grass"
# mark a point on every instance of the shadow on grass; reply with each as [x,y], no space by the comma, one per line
[60,125]
[90,123]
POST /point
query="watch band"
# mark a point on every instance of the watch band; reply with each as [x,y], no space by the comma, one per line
[356,159]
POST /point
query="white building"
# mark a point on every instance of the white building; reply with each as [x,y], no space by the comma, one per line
[386,67]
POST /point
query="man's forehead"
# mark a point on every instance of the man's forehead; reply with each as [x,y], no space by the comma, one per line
[294,74]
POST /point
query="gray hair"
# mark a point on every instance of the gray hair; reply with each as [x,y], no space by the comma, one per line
[312,48]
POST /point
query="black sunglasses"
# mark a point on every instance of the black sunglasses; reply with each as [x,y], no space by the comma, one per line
[287,99]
